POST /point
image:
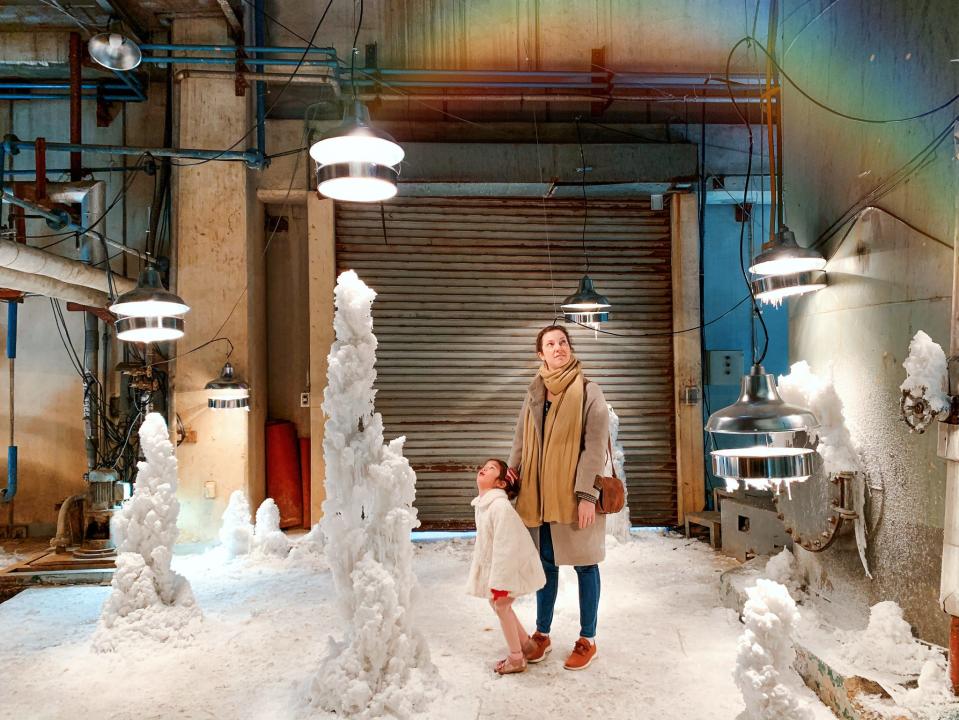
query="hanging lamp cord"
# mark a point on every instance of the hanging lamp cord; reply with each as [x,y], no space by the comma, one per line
[582,159]
[356,35]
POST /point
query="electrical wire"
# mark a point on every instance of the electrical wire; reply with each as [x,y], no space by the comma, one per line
[276,100]
[549,252]
[659,334]
[353,53]
[876,121]
[582,157]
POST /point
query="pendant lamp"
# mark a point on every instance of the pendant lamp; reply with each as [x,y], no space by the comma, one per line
[114,51]
[149,312]
[227,391]
[761,411]
[356,162]
[773,289]
[586,305]
[784,255]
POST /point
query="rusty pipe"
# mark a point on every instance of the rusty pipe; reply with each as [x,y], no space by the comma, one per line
[954,654]
[76,117]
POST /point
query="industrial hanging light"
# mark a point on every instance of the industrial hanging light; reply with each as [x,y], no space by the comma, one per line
[761,411]
[228,392]
[114,51]
[149,312]
[586,305]
[784,255]
[773,289]
[355,161]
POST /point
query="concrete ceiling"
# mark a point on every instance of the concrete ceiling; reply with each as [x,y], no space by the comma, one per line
[144,15]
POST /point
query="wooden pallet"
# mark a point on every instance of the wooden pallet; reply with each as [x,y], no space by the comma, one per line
[709,519]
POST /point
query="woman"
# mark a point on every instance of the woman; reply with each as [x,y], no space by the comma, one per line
[559,448]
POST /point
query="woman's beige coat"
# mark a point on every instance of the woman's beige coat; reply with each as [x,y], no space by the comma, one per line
[504,556]
[572,546]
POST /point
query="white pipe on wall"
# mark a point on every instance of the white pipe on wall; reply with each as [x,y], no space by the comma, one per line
[42,285]
[30,260]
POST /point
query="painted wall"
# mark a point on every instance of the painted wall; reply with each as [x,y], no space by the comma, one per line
[49,395]
[723,288]
[882,59]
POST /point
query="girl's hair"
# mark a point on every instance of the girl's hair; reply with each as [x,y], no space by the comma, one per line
[550,328]
[511,486]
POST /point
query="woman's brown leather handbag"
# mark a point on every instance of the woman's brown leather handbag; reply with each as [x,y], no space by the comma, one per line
[612,494]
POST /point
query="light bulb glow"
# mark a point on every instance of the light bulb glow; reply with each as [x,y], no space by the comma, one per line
[359,146]
[586,307]
[148,308]
[150,335]
[775,297]
[788,266]
[357,189]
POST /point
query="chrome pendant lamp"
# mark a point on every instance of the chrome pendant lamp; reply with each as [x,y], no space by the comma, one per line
[114,51]
[586,305]
[355,161]
[227,391]
[784,255]
[149,312]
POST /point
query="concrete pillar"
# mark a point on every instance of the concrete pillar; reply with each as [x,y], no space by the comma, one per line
[322,253]
[220,274]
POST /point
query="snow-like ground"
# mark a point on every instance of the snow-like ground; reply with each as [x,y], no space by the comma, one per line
[666,649]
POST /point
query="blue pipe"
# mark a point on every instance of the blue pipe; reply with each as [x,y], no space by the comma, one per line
[250,157]
[481,84]
[30,172]
[259,36]
[233,61]
[258,48]
[131,81]
[11,489]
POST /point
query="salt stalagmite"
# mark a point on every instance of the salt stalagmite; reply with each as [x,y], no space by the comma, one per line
[381,667]
[149,600]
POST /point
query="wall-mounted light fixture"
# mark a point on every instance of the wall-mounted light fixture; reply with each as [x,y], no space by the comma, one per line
[149,312]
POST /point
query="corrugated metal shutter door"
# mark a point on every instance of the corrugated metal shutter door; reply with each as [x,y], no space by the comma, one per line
[464,286]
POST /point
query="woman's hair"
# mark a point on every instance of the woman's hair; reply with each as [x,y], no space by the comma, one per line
[550,328]
[511,486]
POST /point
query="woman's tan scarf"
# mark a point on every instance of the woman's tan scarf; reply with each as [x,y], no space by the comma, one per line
[549,463]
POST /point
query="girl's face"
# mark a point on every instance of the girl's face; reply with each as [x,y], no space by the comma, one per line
[556,350]
[488,477]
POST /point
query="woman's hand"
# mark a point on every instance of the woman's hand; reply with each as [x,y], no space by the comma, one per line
[512,474]
[587,514]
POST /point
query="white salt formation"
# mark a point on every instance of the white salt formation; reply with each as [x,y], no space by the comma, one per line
[804,388]
[148,600]
[887,644]
[618,524]
[236,530]
[268,539]
[782,569]
[382,667]
[926,373]
[764,671]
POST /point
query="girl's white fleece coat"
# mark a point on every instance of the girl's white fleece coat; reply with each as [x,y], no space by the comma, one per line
[505,557]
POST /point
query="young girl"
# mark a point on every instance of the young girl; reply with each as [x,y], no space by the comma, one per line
[505,561]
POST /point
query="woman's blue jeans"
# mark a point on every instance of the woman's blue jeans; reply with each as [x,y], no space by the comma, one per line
[588,576]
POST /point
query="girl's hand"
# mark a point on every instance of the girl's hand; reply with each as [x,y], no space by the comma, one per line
[512,474]
[587,514]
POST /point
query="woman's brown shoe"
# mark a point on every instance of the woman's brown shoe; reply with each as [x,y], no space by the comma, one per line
[583,654]
[536,648]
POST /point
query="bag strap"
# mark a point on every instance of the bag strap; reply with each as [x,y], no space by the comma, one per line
[609,440]
[612,463]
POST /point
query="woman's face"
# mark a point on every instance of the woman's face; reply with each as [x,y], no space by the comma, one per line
[556,350]
[488,476]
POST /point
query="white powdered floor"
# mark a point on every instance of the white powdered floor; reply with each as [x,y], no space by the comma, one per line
[666,650]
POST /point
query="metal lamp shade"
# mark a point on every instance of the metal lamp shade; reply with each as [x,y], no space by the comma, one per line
[760,410]
[355,161]
[114,52]
[785,256]
[149,329]
[227,392]
[586,305]
[762,465]
[149,299]
[773,289]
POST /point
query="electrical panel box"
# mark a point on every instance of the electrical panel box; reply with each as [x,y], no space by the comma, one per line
[724,367]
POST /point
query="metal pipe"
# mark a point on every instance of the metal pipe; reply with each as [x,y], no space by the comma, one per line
[92,253]
[280,78]
[192,60]
[246,48]
[250,157]
[543,97]
[130,80]
[57,85]
[11,489]
[76,119]
[64,537]
[64,96]
[259,36]
[64,221]
[29,172]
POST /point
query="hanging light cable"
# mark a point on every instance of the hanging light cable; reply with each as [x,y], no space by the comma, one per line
[585,306]
[355,161]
